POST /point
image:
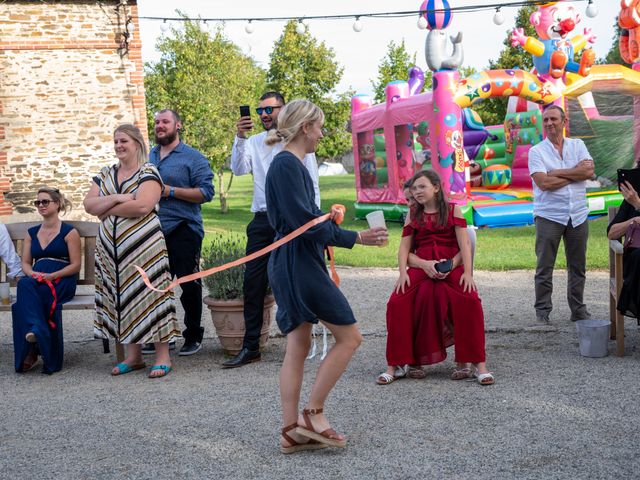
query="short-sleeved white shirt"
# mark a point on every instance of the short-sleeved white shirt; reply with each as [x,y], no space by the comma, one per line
[570,201]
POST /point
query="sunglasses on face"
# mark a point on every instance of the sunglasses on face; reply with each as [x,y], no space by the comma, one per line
[267,110]
[44,203]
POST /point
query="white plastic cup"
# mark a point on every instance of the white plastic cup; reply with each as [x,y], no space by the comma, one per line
[5,294]
[375,219]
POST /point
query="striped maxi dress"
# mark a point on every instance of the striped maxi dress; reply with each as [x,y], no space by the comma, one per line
[125,308]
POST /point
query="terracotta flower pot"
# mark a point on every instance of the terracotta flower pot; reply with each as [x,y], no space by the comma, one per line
[228,320]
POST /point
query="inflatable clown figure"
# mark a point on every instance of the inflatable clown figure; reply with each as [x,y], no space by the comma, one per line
[629,21]
[553,52]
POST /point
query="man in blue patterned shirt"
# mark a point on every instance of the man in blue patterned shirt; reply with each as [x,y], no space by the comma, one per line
[188,183]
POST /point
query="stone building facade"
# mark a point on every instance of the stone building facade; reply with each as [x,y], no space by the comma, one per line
[70,72]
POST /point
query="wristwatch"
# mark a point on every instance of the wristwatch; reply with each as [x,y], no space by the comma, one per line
[172,191]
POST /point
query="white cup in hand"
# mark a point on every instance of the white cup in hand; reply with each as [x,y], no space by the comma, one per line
[375,219]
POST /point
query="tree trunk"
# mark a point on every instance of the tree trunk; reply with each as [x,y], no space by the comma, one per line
[223,192]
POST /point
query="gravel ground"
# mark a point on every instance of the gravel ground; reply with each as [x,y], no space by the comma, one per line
[551,414]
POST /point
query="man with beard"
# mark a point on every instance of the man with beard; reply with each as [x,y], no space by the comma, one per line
[188,182]
[252,155]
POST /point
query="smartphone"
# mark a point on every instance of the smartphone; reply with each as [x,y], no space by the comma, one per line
[245,111]
[444,267]
[631,175]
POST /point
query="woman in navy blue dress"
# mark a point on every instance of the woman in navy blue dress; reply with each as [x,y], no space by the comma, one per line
[304,292]
[50,262]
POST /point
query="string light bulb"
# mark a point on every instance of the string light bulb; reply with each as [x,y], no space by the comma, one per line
[164,26]
[498,17]
[422,22]
[249,27]
[592,9]
[357,25]
[300,28]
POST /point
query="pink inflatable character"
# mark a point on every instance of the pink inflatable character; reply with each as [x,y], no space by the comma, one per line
[553,53]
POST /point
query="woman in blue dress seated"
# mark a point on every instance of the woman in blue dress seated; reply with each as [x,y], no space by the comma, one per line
[50,262]
[301,285]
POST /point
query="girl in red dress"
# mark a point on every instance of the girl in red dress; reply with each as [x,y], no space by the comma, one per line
[431,310]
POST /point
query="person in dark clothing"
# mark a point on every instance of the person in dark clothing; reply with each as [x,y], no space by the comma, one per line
[188,183]
[298,276]
[253,155]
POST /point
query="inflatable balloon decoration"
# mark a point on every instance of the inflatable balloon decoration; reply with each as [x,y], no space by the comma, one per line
[629,21]
[452,164]
[416,80]
[553,52]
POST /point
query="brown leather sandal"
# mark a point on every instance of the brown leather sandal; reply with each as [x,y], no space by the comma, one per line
[328,436]
[297,446]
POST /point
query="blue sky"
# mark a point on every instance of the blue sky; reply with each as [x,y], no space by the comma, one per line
[359,53]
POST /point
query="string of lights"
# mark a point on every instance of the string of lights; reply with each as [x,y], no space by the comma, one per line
[303,21]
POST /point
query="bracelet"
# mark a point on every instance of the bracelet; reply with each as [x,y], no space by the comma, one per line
[172,191]
[359,238]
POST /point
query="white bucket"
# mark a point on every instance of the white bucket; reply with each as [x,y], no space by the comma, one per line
[594,337]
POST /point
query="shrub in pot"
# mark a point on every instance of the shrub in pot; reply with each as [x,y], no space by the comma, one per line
[225,293]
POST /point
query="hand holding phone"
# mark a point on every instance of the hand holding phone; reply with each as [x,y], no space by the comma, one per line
[245,111]
[245,123]
[444,267]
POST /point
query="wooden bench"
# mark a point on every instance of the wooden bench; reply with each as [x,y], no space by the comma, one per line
[615,285]
[88,232]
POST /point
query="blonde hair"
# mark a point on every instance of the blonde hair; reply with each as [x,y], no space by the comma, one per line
[134,133]
[293,116]
[64,205]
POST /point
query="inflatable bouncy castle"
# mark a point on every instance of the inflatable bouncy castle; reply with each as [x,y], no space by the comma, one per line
[485,168]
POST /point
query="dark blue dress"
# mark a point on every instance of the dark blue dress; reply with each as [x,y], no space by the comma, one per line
[33,303]
[298,274]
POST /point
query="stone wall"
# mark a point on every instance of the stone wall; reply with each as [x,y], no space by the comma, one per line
[65,84]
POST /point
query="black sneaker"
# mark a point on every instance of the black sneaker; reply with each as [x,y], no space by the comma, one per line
[150,348]
[190,348]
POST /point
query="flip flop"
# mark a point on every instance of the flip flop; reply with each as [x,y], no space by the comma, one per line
[124,368]
[165,369]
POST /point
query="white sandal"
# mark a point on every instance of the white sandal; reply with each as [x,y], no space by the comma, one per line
[385,378]
[485,378]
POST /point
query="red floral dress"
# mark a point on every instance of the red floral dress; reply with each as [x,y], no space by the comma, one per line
[433,314]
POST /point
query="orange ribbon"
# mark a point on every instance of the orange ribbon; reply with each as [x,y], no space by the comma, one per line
[287,238]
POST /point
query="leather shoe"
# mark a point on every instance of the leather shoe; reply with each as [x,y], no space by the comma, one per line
[245,357]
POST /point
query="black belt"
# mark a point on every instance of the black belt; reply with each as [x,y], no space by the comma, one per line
[261,214]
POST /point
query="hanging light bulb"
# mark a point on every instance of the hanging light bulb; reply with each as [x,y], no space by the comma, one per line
[164,26]
[498,18]
[422,22]
[592,9]
[300,28]
[306,22]
[357,25]
[249,27]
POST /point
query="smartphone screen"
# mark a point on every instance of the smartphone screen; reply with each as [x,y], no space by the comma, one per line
[245,111]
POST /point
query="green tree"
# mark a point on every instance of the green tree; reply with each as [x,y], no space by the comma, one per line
[493,111]
[204,77]
[395,65]
[302,67]
[613,55]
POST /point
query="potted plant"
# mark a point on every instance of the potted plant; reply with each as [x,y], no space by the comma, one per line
[225,293]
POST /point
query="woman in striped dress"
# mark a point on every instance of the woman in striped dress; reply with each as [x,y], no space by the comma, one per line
[124,197]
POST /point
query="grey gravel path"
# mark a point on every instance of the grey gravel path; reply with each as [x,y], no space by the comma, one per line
[552,413]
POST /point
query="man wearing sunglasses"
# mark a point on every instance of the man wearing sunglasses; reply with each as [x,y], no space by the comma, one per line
[252,155]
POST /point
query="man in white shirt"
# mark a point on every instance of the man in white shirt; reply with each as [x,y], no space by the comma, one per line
[9,255]
[559,167]
[252,155]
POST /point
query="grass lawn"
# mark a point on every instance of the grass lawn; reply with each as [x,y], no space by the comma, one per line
[497,248]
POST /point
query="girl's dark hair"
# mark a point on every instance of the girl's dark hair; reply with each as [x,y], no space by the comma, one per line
[441,202]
